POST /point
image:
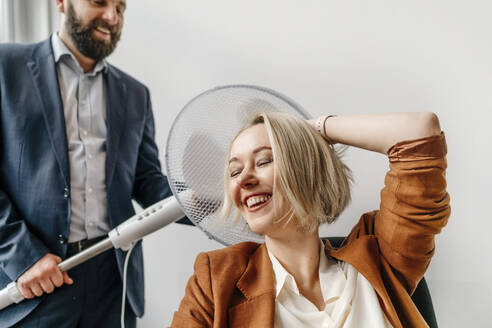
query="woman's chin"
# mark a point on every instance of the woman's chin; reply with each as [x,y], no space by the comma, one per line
[259,227]
[265,224]
[261,232]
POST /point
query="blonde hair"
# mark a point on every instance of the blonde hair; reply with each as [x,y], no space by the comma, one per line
[308,171]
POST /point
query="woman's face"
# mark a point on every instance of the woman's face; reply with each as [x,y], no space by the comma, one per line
[251,180]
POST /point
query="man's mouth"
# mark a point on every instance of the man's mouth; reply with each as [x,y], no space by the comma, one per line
[103,30]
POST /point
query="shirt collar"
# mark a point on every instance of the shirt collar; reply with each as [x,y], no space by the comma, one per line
[282,277]
[61,52]
[331,276]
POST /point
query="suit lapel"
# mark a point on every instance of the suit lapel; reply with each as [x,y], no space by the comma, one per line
[258,286]
[43,71]
[116,119]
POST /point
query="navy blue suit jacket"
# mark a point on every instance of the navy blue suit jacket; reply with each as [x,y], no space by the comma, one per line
[34,167]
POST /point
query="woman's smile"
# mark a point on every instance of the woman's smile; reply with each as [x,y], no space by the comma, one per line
[256,202]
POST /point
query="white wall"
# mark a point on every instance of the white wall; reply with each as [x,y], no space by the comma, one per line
[333,57]
[27,20]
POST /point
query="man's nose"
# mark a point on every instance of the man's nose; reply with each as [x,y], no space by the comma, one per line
[110,14]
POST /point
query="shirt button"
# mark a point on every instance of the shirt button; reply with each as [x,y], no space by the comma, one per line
[90,189]
[90,156]
[84,132]
[66,193]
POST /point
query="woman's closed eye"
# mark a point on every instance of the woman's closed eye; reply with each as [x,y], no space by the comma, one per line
[234,173]
[264,161]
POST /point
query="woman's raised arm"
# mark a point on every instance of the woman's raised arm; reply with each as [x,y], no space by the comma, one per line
[414,203]
[378,132]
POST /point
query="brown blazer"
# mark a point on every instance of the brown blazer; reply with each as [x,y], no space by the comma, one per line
[391,248]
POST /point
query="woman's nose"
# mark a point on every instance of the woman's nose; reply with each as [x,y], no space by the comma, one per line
[247,179]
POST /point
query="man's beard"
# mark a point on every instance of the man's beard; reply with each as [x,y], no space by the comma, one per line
[83,40]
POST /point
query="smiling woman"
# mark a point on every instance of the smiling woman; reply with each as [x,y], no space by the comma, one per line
[317,191]
[285,179]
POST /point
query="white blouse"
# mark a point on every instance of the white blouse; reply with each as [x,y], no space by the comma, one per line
[350,300]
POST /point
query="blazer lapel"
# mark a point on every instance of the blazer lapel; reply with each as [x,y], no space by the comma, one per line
[363,254]
[116,117]
[258,286]
[43,71]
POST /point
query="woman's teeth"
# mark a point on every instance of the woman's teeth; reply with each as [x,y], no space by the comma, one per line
[256,200]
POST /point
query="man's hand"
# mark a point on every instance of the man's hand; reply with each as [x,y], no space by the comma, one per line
[42,277]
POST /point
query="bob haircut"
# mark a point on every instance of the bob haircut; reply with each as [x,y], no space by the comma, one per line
[308,172]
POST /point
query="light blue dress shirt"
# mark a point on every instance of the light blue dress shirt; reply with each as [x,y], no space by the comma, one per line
[84,104]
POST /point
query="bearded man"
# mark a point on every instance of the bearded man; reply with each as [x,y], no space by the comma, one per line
[76,146]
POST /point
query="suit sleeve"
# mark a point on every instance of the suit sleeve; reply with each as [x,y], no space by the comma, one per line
[196,309]
[19,248]
[414,207]
[150,184]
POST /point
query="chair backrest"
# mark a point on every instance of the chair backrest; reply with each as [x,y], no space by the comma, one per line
[421,297]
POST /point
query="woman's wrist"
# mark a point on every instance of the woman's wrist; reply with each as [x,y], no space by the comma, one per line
[320,126]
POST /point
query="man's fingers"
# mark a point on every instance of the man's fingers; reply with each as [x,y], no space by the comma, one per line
[36,289]
[26,292]
[57,278]
[42,277]
[67,279]
[46,285]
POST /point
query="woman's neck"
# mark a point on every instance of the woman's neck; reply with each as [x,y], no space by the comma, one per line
[298,253]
